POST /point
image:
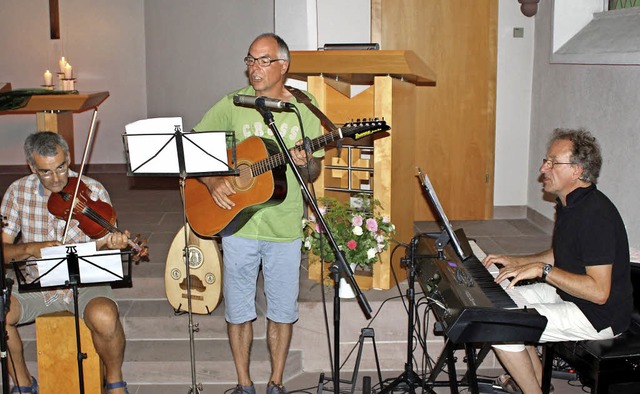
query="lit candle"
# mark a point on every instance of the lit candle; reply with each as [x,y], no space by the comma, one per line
[48,78]
[62,63]
[68,71]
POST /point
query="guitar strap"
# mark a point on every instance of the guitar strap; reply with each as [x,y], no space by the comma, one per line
[326,122]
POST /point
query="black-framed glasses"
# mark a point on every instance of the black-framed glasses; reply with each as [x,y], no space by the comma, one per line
[550,163]
[264,61]
[61,170]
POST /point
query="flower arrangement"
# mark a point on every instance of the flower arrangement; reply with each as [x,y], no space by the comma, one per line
[359,230]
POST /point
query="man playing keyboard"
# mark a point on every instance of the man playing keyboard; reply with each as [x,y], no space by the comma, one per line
[585,291]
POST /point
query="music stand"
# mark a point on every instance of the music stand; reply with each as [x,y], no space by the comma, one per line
[158,147]
[93,271]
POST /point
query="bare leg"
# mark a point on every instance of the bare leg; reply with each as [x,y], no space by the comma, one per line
[17,365]
[240,339]
[278,340]
[521,368]
[536,363]
[101,317]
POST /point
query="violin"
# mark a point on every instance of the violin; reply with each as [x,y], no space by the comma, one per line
[95,218]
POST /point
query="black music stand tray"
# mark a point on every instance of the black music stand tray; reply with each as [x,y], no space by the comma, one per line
[73,282]
[170,152]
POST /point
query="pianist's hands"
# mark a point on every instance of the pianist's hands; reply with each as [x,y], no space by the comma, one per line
[513,269]
[499,260]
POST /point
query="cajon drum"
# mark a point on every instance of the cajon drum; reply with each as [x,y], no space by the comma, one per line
[58,356]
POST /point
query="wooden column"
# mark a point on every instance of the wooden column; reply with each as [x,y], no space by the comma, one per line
[60,122]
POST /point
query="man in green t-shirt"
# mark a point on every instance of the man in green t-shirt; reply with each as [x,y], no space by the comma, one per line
[273,235]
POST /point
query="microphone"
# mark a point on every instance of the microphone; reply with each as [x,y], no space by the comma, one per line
[260,102]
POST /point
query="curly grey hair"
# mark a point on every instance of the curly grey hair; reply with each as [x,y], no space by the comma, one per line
[586,151]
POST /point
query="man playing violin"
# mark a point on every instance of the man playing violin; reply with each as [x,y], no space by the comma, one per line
[30,227]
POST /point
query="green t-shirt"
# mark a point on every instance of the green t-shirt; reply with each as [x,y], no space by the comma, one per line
[282,222]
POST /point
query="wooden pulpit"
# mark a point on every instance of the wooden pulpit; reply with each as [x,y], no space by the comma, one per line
[388,80]
[55,112]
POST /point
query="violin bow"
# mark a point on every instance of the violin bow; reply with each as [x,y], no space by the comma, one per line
[87,145]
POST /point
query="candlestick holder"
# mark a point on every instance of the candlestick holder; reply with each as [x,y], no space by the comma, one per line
[60,78]
[48,87]
[68,84]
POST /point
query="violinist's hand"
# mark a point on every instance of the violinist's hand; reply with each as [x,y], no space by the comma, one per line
[220,189]
[117,240]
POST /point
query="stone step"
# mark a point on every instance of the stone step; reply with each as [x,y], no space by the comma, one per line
[159,369]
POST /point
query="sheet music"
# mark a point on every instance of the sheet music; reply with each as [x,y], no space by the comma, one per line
[152,148]
[89,261]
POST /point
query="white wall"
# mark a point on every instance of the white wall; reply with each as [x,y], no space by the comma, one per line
[194,52]
[309,24]
[601,98]
[104,42]
[513,105]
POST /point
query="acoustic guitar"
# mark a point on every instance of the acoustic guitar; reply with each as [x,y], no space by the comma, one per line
[205,268]
[261,183]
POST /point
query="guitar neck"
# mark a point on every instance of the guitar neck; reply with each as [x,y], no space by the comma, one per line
[279,159]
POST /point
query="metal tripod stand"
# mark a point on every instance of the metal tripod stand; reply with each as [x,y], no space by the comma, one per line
[409,377]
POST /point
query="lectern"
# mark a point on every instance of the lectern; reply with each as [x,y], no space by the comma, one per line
[387,169]
[54,112]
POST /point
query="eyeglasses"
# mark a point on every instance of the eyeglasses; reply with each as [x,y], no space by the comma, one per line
[264,61]
[550,163]
[61,170]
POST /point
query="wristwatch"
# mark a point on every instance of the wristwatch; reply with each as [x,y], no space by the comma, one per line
[545,271]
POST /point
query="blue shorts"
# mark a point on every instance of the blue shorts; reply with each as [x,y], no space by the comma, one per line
[281,271]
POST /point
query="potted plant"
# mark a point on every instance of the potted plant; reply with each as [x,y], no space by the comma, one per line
[358,228]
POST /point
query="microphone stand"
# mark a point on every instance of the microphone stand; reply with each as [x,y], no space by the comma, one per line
[340,265]
[5,287]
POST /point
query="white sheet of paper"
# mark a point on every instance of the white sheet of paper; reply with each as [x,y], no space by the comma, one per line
[91,273]
[144,147]
[147,154]
[88,272]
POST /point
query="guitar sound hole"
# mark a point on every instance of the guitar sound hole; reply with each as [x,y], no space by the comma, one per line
[245,180]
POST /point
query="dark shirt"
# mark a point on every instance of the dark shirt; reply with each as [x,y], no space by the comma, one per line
[589,231]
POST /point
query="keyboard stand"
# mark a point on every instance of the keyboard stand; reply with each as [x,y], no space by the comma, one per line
[473,360]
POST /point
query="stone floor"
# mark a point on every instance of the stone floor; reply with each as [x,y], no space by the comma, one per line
[158,358]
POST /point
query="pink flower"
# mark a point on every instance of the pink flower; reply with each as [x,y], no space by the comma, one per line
[352,244]
[356,221]
[372,225]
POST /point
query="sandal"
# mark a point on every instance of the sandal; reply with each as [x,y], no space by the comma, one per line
[507,384]
[33,389]
[117,385]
